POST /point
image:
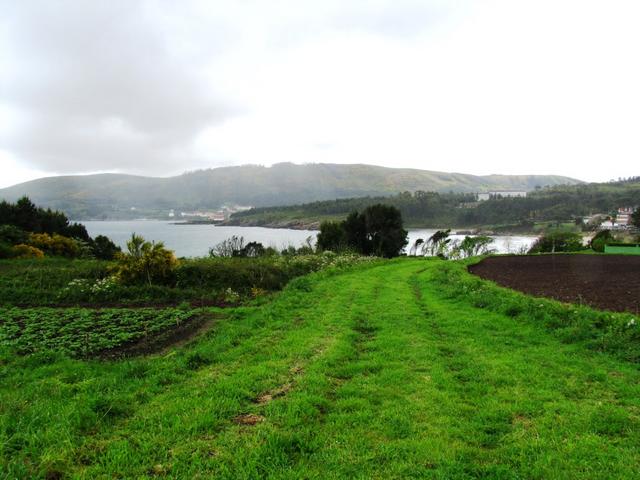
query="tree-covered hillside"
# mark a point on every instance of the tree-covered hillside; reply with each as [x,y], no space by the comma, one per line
[123,196]
[433,209]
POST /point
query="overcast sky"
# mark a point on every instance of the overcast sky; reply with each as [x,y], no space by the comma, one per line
[159,88]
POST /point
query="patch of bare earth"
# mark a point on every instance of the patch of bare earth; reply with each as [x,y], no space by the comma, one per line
[281,391]
[249,419]
[266,397]
[607,282]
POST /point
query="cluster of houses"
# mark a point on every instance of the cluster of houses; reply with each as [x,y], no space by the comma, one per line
[623,218]
[619,220]
[208,215]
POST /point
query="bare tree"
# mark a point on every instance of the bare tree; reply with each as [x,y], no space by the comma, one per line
[231,247]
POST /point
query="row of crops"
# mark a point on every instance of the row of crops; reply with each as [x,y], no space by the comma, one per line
[82,332]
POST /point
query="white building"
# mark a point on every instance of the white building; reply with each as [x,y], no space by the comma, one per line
[623,216]
[501,193]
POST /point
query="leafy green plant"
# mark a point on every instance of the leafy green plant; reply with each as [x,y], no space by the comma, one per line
[265,273]
[145,263]
[82,332]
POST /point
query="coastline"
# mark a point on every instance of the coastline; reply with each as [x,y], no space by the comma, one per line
[315,225]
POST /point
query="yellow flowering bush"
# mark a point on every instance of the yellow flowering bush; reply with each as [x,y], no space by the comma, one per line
[26,251]
[57,245]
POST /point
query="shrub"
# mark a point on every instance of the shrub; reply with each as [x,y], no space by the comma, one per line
[27,251]
[231,247]
[265,273]
[437,244]
[103,248]
[239,274]
[557,242]
[12,235]
[601,239]
[6,250]
[145,262]
[253,249]
[235,247]
[474,246]
[56,245]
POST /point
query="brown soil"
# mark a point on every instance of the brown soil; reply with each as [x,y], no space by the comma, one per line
[266,397]
[162,341]
[248,419]
[607,282]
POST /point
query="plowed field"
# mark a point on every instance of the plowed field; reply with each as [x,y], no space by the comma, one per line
[607,282]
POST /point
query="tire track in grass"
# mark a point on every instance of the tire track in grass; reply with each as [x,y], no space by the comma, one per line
[373,410]
[512,418]
[239,377]
[296,419]
[461,373]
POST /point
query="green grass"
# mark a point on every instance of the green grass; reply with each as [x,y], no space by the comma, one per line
[377,372]
[617,334]
[40,281]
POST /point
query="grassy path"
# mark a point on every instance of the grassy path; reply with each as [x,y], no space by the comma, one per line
[367,374]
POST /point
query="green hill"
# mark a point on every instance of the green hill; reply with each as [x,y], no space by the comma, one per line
[560,203]
[114,195]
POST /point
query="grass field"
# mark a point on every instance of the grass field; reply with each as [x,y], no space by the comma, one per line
[382,371]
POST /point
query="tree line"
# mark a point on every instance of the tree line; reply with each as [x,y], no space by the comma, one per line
[377,230]
[432,209]
[30,231]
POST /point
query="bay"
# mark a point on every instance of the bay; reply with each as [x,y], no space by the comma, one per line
[195,240]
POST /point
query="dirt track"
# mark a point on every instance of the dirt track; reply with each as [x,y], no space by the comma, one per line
[607,282]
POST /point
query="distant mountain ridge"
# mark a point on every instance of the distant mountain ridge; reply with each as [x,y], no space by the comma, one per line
[118,195]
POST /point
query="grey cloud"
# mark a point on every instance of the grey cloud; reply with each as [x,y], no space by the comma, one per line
[121,84]
[105,85]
